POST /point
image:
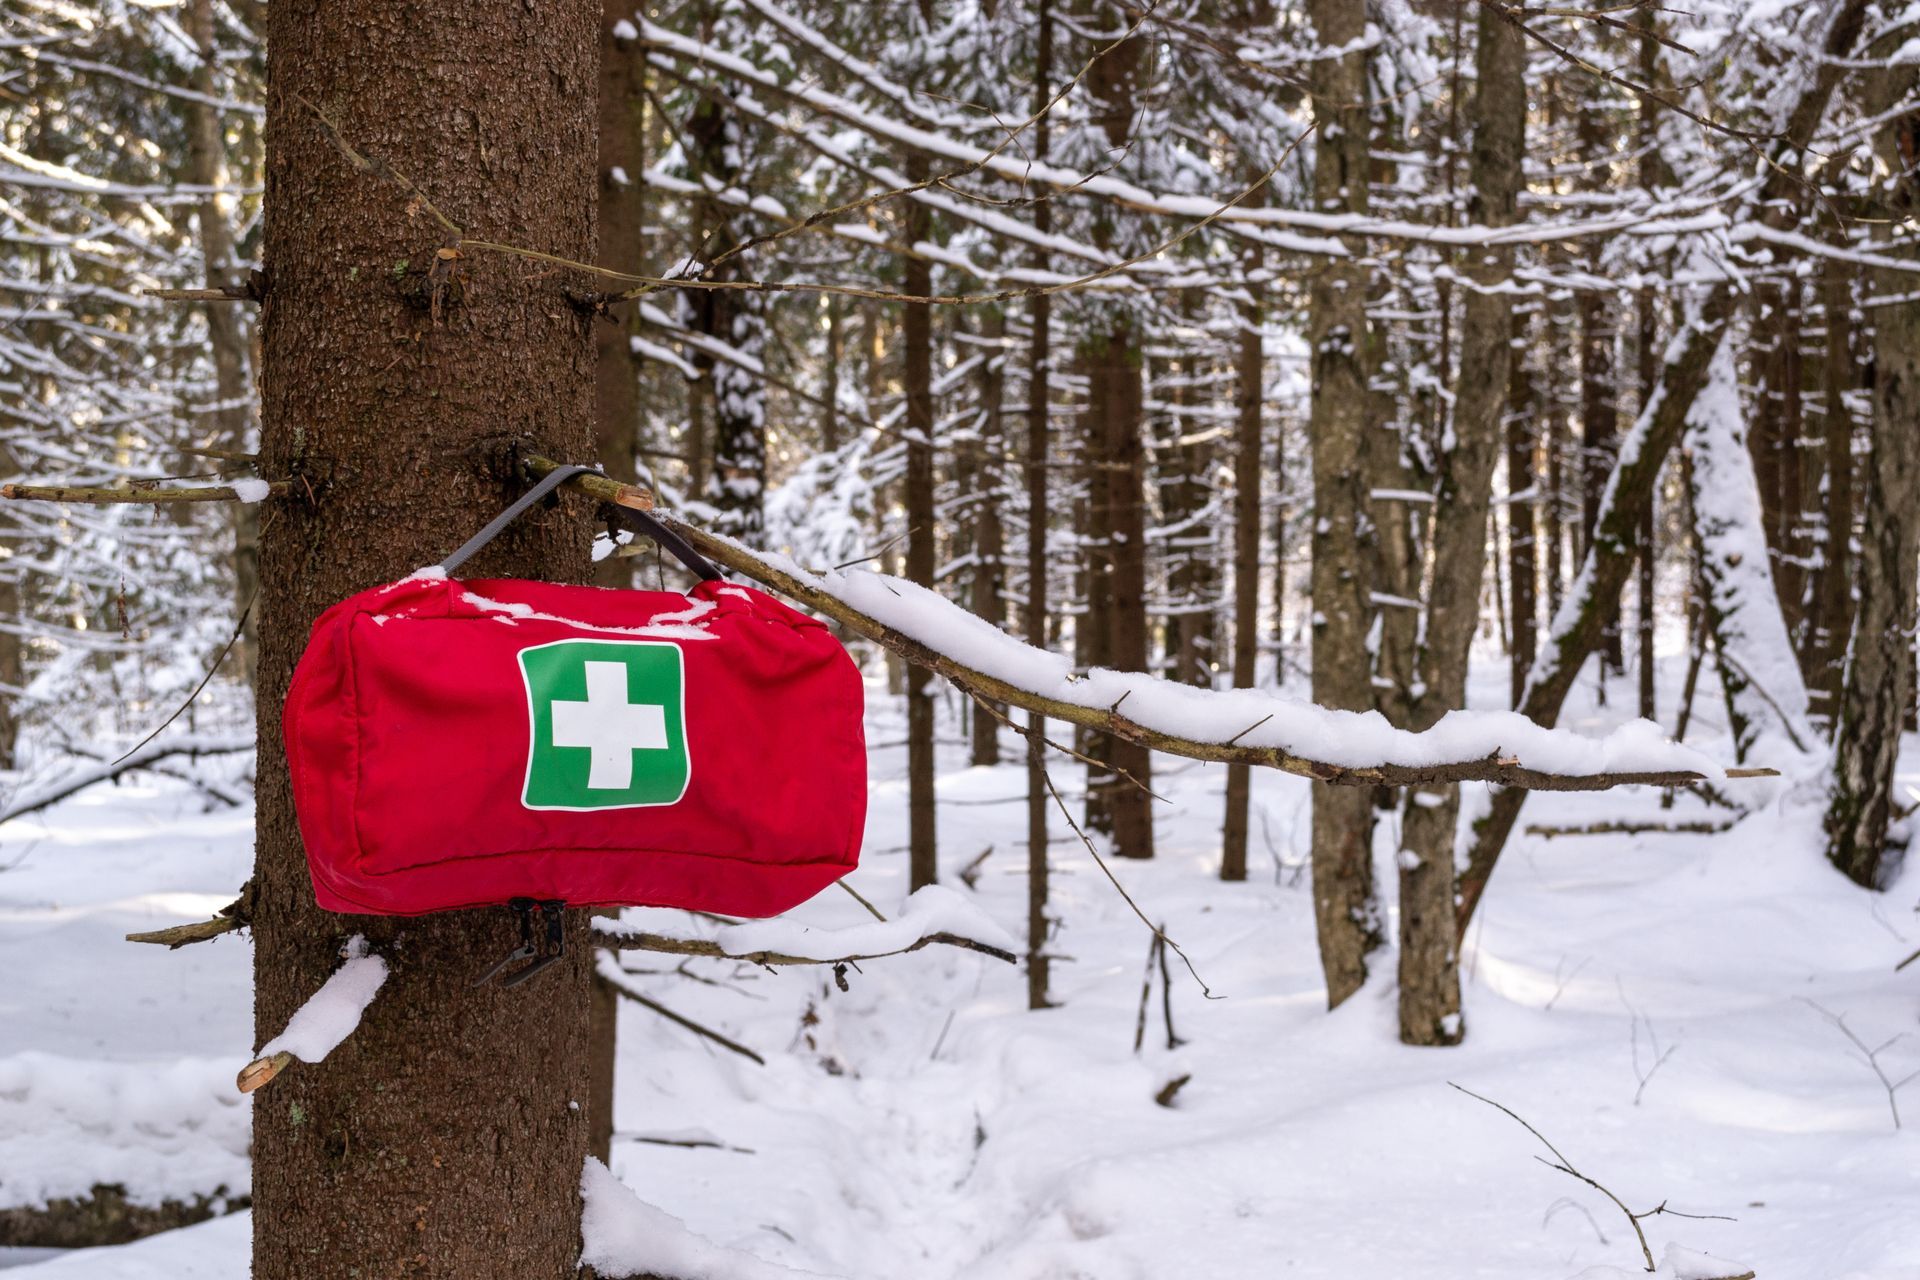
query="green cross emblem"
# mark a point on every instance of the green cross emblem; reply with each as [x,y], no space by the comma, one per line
[607,721]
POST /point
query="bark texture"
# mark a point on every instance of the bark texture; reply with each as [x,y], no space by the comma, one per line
[1429,955]
[1345,913]
[917,347]
[445,1137]
[616,407]
[1039,381]
[1880,679]
[1249,393]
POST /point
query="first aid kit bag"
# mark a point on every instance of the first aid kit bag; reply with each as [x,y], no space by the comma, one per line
[468,743]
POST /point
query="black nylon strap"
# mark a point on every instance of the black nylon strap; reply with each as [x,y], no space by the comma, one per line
[637,521]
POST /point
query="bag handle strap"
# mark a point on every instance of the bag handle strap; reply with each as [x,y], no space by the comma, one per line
[638,521]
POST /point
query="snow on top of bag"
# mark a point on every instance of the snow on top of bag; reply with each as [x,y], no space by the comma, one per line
[677,626]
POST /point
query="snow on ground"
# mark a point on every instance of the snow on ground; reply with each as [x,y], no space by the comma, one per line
[1653,1004]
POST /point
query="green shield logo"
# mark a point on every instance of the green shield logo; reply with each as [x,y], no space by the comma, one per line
[607,721]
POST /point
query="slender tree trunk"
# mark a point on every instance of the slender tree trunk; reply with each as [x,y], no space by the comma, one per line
[1114,359]
[1879,684]
[1039,369]
[736,478]
[917,350]
[1249,397]
[445,1137]
[1833,603]
[1522,512]
[989,538]
[226,340]
[1346,914]
[616,418]
[616,410]
[1429,959]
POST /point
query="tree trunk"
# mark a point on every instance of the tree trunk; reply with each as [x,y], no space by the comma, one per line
[1880,678]
[1522,513]
[1249,397]
[1119,475]
[1345,912]
[1429,955]
[616,419]
[736,478]
[917,337]
[1833,585]
[445,1138]
[1039,369]
[989,537]
[226,341]
[623,122]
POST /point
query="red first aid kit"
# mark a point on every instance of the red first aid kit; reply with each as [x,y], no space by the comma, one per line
[461,744]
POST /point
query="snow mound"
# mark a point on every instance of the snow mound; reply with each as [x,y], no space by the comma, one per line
[169,1130]
[623,1235]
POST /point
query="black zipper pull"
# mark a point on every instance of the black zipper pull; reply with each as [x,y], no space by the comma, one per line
[522,909]
[552,911]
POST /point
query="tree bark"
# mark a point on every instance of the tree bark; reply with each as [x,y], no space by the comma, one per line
[1114,366]
[1429,954]
[989,534]
[917,350]
[1522,513]
[616,420]
[1345,912]
[623,122]
[444,1139]
[736,477]
[226,340]
[1249,397]
[1880,677]
[1039,370]
[1833,585]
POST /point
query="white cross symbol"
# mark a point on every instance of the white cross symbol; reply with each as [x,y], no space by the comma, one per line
[610,726]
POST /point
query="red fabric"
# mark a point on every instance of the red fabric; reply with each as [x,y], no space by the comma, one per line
[408,731]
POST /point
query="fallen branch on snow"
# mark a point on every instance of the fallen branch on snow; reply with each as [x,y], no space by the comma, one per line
[1563,1165]
[1234,727]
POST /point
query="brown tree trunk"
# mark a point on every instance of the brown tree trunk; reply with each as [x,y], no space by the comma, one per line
[623,122]
[1039,369]
[1429,959]
[226,340]
[917,338]
[1119,475]
[1116,369]
[736,477]
[1880,677]
[1833,585]
[989,537]
[616,420]
[1522,514]
[1345,912]
[1249,397]
[444,1138]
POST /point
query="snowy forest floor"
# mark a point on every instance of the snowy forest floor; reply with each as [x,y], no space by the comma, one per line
[1653,1004]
